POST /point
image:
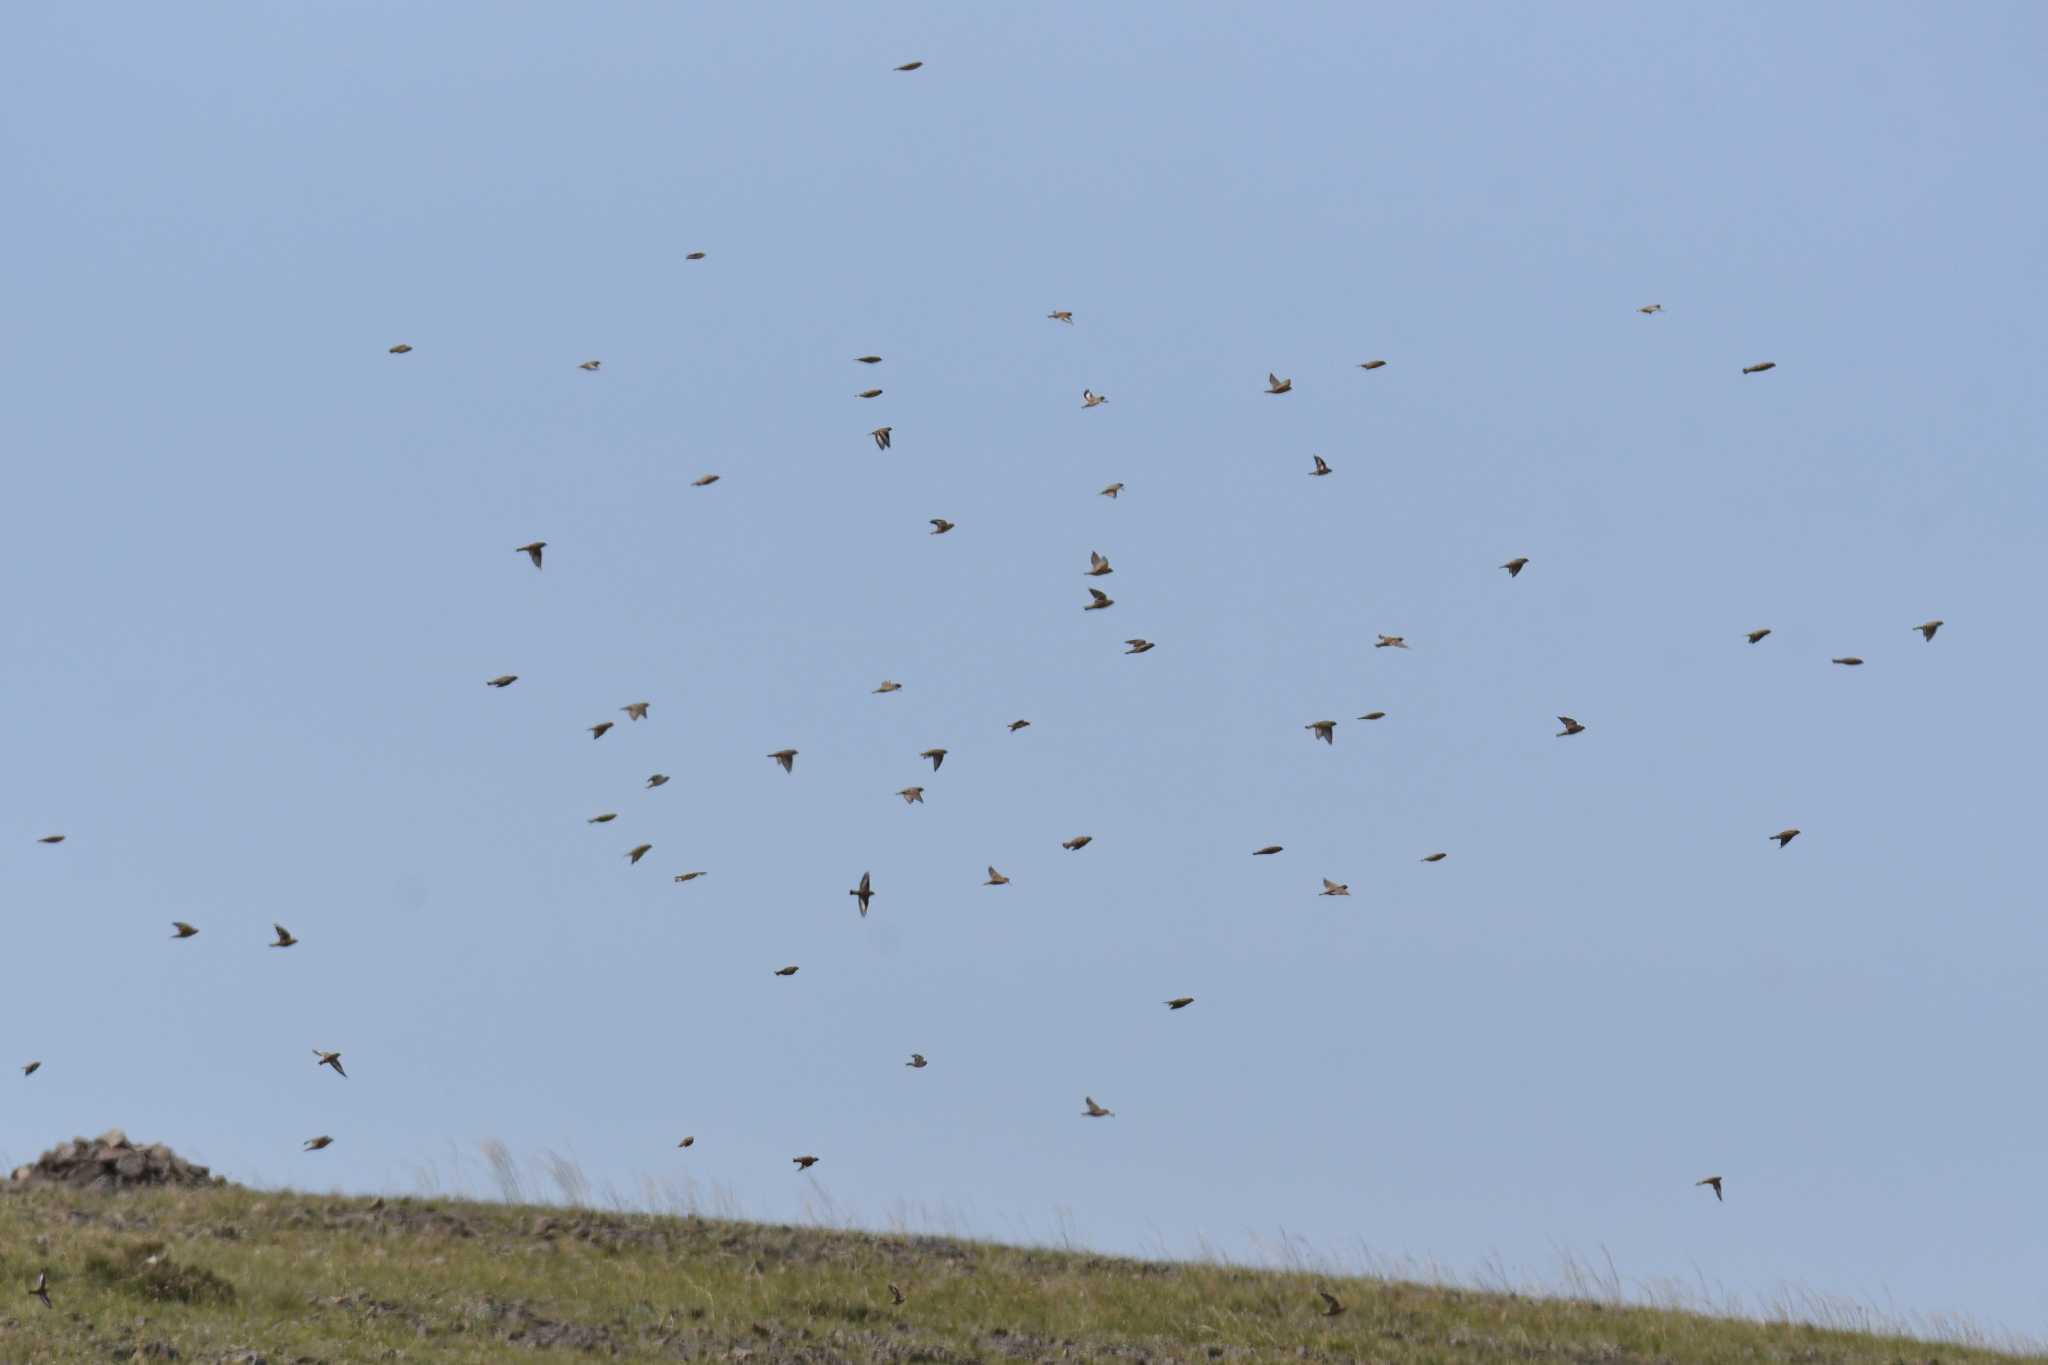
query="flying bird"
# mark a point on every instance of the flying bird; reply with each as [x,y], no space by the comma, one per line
[1324,730]
[1275,384]
[917,1062]
[1571,727]
[1267,851]
[881,435]
[937,756]
[638,851]
[1848,660]
[180,929]
[688,876]
[591,365]
[1111,491]
[1017,725]
[1138,646]
[635,710]
[694,256]
[804,1163]
[1785,836]
[1061,315]
[940,526]
[1760,367]
[604,818]
[1516,565]
[1371,364]
[1332,1306]
[41,1288]
[284,937]
[1391,642]
[597,730]
[657,780]
[32,1068]
[1102,599]
[785,971]
[1096,1111]
[690,1141]
[503,680]
[1097,566]
[887,686]
[314,1144]
[1179,1002]
[1927,629]
[912,796]
[1331,888]
[1092,399]
[1322,467]
[787,758]
[1374,715]
[704,480]
[400,349]
[1079,841]
[1755,635]
[910,66]
[869,393]
[51,839]
[996,878]
[865,892]
[332,1059]
[1649,308]
[1435,857]
[1715,1181]
[868,359]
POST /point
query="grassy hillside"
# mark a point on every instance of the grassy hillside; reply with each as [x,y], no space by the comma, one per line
[235,1275]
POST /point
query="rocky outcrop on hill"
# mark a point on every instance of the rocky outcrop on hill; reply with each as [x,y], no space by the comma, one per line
[111,1162]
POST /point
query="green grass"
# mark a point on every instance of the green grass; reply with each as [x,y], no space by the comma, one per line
[298,1278]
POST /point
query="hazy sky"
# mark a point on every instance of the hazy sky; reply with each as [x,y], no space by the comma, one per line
[259,570]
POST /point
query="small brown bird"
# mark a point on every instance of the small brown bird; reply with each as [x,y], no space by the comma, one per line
[690,1141]
[688,876]
[1435,857]
[1715,1181]
[694,256]
[1061,315]
[1092,399]
[284,937]
[869,393]
[656,780]
[1275,384]
[1096,1111]
[602,818]
[907,66]
[1332,1307]
[937,756]
[912,796]
[1649,308]
[332,1059]
[1138,646]
[917,1062]
[1102,600]
[32,1068]
[315,1144]
[180,929]
[1079,841]
[1760,367]
[1374,715]
[591,365]
[1324,730]
[635,710]
[785,971]
[704,480]
[881,435]
[1848,660]
[887,686]
[1322,467]
[41,1288]
[597,731]
[868,359]
[1111,491]
[804,1163]
[1097,566]
[1516,565]
[637,852]
[864,893]
[895,1294]
[1571,727]
[1927,629]
[400,349]
[1391,642]
[1371,364]
[1017,725]
[787,758]
[1331,888]
[1268,851]
[1179,1002]
[503,680]
[1755,635]
[51,839]
[1785,836]
[996,878]
[940,526]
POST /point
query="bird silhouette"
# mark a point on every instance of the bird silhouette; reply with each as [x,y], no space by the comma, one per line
[503,680]
[1061,315]
[787,758]
[1092,399]
[881,435]
[1571,727]
[332,1059]
[1275,384]
[1848,661]
[592,365]
[1079,841]
[1651,308]
[1755,635]
[1096,1111]
[597,731]
[180,929]
[635,710]
[937,756]
[940,526]
[657,780]
[400,349]
[532,550]
[1371,364]
[916,1062]
[1017,725]
[1100,600]
[996,878]
[869,393]
[863,893]
[694,256]
[908,66]
[804,1163]
[32,1068]
[1927,629]
[1098,565]
[51,839]
[1179,1002]
[1112,491]
[1516,565]
[1715,1181]
[1785,836]
[785,971]
[1322,467]
[1374,715]
[1434,857]
[868,359]
[284,937]
[704,481]
[690,1141]
[638,851]
[912,796]
[688,876]
[1760,367]
[1138,646]
[1331,888]
[1324,730]
[888,687]
[1268,851]
[603,818]
[1390,642]
[315,1144]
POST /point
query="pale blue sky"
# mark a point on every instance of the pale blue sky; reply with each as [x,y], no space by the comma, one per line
[260,570]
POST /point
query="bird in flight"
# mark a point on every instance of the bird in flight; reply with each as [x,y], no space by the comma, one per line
[688,876]
[804,1163]
[332,1059]
[656,780]
[51,839]
[881,435]
[785,971]
[863,893]
[1649,308]
[1760,367]
[1017,725]
[1322,467]
[597,731]
[996,878]
[1268,851]
[1102,599]
[1755,635]
[604,818]
[704,480]
[531,550]
[1715,1181]
[180,929]
[638,851]
[1371,364]
[400,349]
[1848,661]
[32,1068]
[887,686]
[1324,730]
[1332,1306]
[912,796]
[1096,1111]
[694,256]
[1092,399]
[917,1062]
[1275,384]
[690,1141]
[1435,857]
[1391,642]
[1571,727]
[869,393]
[314,1144]
[635,710]
[1331,888]
[1785,836]
[284,937]
[787,758]
[1079,841]
[940,526]
[909,66]
[937,756]
[591,365]
[1097,566]
[1927,629]
[1179,1002]
[1516,565]
[503,680]
[1062,315]
[868,359]
[41,1288]
[1138,646]
[1111,491]
[1374,715]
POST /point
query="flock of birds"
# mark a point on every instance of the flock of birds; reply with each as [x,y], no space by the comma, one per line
[863,893]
